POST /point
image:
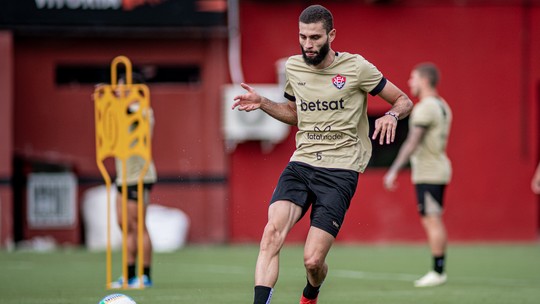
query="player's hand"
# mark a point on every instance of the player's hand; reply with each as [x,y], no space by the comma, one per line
[389,181]
[249,101]
[386,126]
[535,184]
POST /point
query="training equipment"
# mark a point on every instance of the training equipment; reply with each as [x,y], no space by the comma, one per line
[114,139]
[132,283]
[431,279]
[119,284]
[117,298]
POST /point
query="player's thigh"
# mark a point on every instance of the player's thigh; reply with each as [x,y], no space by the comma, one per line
[119,207]
[334,190]
[430,199]
[132,208]
[283,214]
[318,244]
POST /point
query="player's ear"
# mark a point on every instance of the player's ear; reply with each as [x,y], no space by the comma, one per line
[332,35]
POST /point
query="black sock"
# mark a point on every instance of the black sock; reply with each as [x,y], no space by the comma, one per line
[311,292]
[131,271]
[438,263]
[263,295]
[146,271]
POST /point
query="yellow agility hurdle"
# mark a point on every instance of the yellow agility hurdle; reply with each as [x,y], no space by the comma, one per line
[117,137]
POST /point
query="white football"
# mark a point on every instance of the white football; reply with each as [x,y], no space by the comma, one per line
[117,298]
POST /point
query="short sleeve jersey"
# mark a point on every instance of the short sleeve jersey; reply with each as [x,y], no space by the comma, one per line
[331,106]
[429,162]
[134,166]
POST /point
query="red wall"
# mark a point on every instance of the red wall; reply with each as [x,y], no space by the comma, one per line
[491,77]
[6,138]
[56,123]
[490,72]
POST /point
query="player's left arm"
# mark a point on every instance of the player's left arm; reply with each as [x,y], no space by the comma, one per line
[401,108]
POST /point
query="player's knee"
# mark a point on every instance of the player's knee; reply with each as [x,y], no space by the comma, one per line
[132,226]
[313,264]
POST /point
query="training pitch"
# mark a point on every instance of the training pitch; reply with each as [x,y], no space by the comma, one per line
[477,273]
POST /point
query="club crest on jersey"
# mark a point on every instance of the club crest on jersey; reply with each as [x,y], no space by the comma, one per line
[339,81]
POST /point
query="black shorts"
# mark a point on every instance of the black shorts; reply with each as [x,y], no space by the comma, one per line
[430,198]
[327,191]
[132,192]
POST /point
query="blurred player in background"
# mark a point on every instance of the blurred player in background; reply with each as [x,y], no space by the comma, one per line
[327,93]
[535,182]
[425,147]
[134,167]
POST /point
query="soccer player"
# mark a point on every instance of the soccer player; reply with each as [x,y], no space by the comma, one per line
[425,146]
[134,167]
[327,93]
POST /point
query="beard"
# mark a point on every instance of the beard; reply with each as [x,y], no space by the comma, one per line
[321,54]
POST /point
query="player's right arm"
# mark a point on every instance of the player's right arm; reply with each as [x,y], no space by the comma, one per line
[284,112]
[414,138]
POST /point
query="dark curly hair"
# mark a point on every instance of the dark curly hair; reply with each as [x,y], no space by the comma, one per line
[318,13]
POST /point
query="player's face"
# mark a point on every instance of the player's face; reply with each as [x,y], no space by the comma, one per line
[314,42]
[414,83]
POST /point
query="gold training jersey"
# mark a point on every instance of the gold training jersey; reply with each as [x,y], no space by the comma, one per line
[331,105]
[429,162]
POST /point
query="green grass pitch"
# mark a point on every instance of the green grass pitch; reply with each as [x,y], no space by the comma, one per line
[374,274]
